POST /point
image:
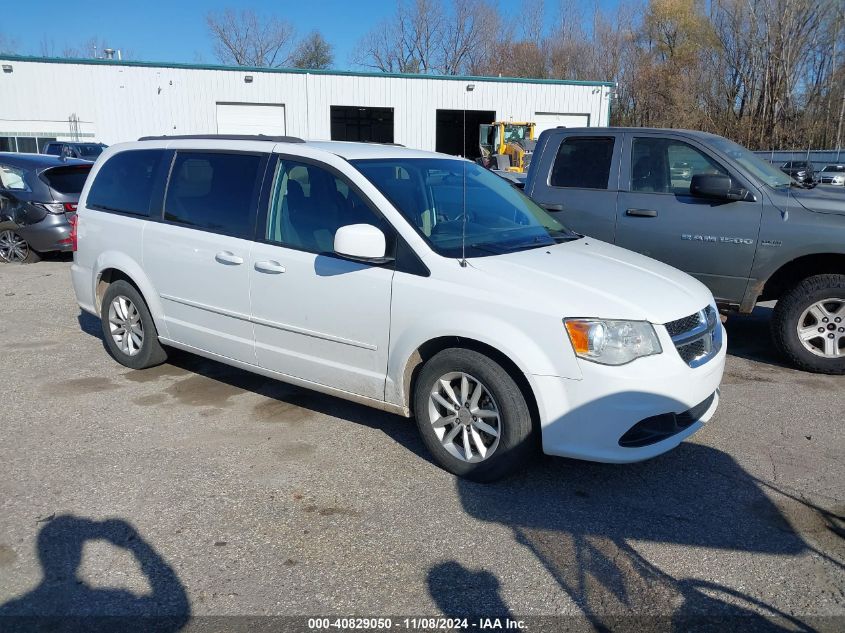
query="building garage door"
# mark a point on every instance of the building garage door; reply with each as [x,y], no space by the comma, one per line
[457,131]
[548,120]
[251,118]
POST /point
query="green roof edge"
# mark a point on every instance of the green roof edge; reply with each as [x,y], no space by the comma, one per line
[296,71]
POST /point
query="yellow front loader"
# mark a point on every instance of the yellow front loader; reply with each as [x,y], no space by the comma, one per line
[506,145]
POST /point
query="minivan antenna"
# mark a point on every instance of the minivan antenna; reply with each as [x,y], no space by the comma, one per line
[463,262]
[464,218]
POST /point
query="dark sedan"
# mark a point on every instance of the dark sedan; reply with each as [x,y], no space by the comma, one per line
[38,194]
[802,170]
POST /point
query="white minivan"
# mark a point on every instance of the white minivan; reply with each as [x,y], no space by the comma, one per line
[406,280]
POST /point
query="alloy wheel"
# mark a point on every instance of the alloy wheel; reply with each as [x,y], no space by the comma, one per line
[13,248]
[821,328]
[465,417]
[125,325]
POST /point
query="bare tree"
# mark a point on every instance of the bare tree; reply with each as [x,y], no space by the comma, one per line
[246,39]
[313,52]
[767,73]
[92,48]
[469,36]
[426,36]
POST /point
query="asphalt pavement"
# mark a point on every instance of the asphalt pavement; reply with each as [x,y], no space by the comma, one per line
[194,489]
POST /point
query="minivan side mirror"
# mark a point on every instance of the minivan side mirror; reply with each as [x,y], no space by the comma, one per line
[361,242]
[718,186]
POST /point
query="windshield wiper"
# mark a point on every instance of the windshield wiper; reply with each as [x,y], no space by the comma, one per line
[561,236]
[489,248]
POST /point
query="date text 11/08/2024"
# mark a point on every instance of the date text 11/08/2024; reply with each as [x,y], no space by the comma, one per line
[383,624]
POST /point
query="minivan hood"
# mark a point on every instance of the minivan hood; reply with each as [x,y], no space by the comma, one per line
[820,199]
[590,278]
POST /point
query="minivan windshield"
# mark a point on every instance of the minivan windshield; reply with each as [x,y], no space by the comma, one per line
[766,172]
[432,193]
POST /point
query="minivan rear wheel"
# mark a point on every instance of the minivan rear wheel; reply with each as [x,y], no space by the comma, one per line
[128,328]
[472,416]
[808,324]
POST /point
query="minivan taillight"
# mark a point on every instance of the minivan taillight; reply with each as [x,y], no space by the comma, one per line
[73,220]
[70,207]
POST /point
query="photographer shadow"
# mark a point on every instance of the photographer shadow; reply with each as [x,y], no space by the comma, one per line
[590,526]
[64,602]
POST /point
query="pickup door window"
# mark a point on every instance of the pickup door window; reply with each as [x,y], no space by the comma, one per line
[713,240]
[580,190]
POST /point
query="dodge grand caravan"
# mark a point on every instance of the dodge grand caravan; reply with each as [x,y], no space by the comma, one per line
[406,280]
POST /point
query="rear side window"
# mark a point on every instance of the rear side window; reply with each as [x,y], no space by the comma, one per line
[215,192]
[12,179]
[583,162]
[69,180]
[125,183]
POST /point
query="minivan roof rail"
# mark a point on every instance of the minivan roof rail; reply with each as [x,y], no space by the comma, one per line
[383,143]
[225,137]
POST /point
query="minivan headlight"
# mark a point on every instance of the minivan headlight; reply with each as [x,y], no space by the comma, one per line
[612,342]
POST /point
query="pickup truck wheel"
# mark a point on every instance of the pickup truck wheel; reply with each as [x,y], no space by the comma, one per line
[809,324]
[128,328]
[472,416]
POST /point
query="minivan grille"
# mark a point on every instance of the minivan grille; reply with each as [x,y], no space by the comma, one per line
[697,337]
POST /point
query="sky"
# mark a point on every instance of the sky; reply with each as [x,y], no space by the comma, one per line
[175,30]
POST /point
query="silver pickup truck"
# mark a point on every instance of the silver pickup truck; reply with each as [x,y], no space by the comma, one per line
[713,209]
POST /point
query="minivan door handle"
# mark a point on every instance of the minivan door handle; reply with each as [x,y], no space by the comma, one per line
[552,207]
[642,213]
[274,268]
[228,257]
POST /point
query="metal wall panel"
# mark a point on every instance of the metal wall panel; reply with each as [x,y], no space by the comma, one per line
[119,102]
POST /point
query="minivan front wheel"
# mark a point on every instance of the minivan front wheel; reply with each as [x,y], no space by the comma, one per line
[128,328]
[472,416]
[809,324]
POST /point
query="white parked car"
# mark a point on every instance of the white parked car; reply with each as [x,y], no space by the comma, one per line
[832,175]
[406,280]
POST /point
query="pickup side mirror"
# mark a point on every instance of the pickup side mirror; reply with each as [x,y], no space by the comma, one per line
[361,242]
[717,186]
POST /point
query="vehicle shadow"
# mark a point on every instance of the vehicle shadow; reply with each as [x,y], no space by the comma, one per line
[750,337]
[394,426]
[90,324]
[397,428]
[64,602]
[585,523]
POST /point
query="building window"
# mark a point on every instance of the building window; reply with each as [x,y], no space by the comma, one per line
[351,123]
[27,145]
[7,144]
[43,141]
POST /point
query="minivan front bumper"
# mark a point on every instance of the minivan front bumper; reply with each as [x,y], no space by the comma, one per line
[588,418]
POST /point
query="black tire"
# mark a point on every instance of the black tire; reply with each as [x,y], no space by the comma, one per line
[151,352]
[787,314]
[516,445]
[31,257]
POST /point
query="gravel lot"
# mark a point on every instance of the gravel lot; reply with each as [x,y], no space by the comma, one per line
[194,488]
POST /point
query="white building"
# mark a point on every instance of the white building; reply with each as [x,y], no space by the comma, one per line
[112,101]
